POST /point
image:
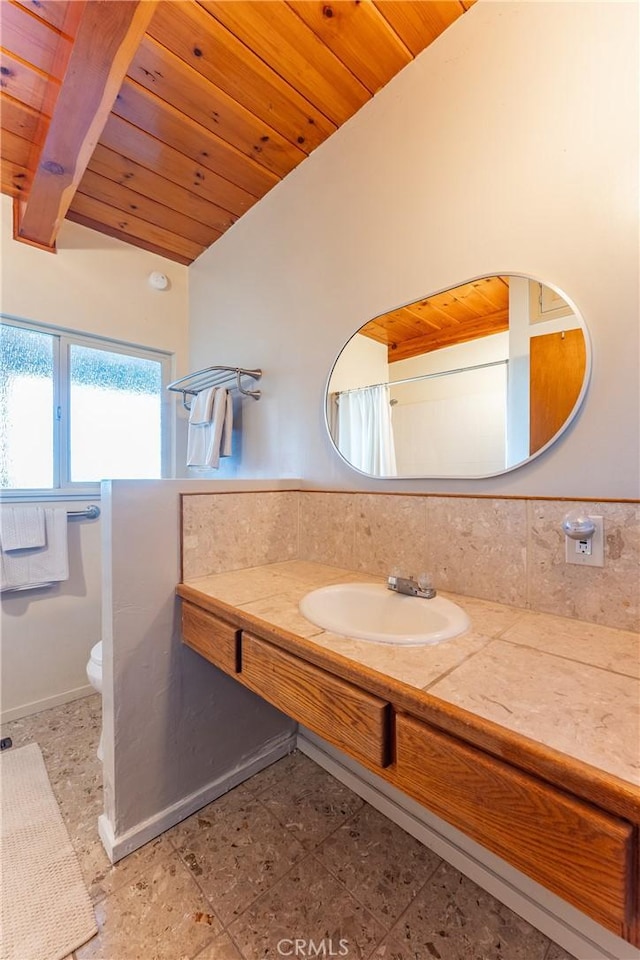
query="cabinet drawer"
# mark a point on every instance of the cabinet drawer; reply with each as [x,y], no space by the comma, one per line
[579,852]
[216,640]
[346,716]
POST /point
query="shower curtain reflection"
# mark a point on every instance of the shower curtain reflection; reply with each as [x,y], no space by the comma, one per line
[363,429]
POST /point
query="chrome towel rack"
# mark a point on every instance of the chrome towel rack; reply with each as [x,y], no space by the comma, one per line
[218,376]
[92,512]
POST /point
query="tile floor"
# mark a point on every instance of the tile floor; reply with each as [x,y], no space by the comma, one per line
[291,854]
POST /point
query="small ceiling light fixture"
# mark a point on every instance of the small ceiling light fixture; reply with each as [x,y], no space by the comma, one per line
[158,281]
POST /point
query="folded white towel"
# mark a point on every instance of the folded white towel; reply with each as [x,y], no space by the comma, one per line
[217,426]
[227,429]
[40,566]
[201,409]
[207,442]
[198,437]
[22,528]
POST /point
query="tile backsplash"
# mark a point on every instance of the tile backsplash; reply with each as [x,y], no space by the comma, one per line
[507,550]
[230,531]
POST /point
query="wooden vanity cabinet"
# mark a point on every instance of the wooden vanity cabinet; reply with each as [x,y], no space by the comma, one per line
[579,851]
[569,846]
[213,638]
[352,719]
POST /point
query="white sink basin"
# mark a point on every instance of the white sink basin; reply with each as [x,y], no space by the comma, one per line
[369,611]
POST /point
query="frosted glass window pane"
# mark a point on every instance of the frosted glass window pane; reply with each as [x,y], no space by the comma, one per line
[26,408]
[115,407]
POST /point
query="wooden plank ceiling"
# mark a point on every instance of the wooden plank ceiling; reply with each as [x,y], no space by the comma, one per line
[467,312]
[161,123]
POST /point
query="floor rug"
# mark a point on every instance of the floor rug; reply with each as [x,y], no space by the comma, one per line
[46,909]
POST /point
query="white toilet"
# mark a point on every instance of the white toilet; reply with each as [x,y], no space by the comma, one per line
[94,674]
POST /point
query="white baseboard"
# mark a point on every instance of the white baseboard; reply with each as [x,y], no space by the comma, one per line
[120,846]
[562,923]
[37,706]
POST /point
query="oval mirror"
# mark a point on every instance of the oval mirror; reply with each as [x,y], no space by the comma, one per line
[470,382]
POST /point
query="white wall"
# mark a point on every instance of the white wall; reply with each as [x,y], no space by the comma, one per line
[455,425]
[177,731]
[97,285]
[48,633]
[509,146]
[361,364]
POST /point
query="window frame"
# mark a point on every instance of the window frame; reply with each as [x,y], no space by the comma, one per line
[63,338]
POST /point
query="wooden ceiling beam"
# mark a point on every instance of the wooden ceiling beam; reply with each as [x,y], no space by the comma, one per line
[107,38]
[483,327]
[14,178]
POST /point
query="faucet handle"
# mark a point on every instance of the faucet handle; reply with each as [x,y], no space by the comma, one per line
[425,581]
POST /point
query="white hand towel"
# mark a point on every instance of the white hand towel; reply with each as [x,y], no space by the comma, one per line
[41,566]
[22,528]
[200,431]
[227,429]
[217,426]
[201,409]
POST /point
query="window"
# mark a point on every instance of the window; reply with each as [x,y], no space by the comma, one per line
[76,409]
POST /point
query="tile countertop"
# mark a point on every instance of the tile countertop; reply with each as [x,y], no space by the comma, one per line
[567,684]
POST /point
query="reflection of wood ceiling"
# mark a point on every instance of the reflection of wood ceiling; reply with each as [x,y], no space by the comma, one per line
[463,313]
[162,122]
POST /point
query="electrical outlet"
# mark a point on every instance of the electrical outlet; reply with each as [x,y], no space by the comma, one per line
[589,552]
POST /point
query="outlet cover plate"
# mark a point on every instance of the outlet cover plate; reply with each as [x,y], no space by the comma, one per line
[593,559]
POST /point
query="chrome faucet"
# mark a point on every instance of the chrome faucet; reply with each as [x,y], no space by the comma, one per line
[411,587]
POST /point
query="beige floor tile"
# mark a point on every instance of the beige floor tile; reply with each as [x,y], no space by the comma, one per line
[380,864]
[80,719]
[75,774]
[307,904]
[235,850]
[271,775]
[454,919]
[162,915]
[222,948]
[391,949]
[103,877]
[310,802]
